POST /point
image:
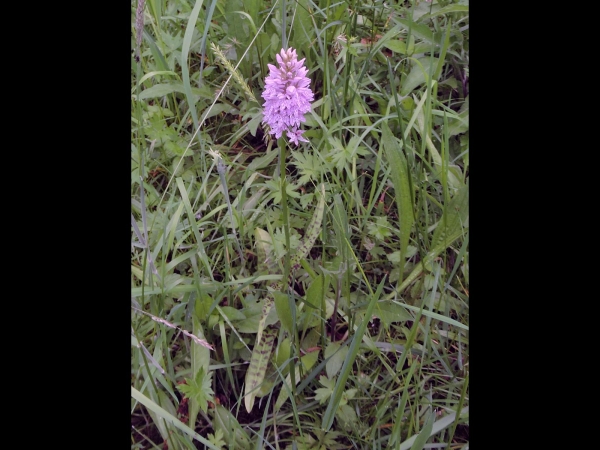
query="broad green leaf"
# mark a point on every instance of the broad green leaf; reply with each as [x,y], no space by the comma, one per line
[240,28]
[421,30]
[315,292]
[309,318]
[336,356]
[262,161]
[156,53]
[283,353]
[258,365]
[389,312]
[233,313]
[308,361]
[401,179]
[396,45]
[282,305]
[341,226]
[160,90]
[419,116]
[347,416]
[419,74]
[253,315]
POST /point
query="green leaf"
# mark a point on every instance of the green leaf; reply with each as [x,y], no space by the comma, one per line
[348,395]
[254,313]
[347,416]
[233,313]
[160,90]
[199,390]
[282,305]
[261,162]
[389,312]
[304,29]
[396,45]
[322,394]
[401,179]
[421,30]
[336,357]
[394,257]
[315,292]
[425,433]
[283,354]
[419,74]
[308,361]
[217,438]
[379,230]
[258,365]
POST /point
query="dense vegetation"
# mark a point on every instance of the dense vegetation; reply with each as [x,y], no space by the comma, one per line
[310,296]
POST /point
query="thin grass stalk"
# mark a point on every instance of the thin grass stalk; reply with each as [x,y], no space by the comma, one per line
[286,259]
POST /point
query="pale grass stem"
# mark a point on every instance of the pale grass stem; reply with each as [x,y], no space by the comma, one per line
[196,339]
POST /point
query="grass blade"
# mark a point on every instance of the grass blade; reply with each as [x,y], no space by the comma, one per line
[422,437]
[137,395]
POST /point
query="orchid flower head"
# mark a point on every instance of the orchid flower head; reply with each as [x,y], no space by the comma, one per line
[287,96]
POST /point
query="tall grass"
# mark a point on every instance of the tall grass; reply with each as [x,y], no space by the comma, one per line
[367,344]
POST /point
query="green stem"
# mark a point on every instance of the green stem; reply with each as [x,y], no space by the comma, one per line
[286,259]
